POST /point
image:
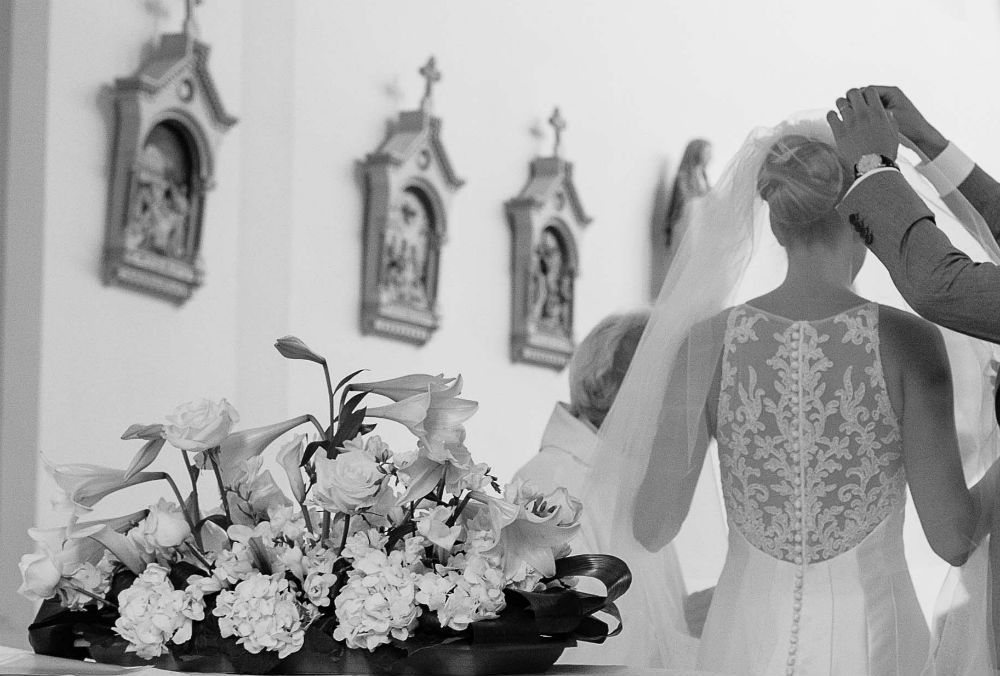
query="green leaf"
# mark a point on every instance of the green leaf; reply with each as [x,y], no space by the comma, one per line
[347,379]
[311,448]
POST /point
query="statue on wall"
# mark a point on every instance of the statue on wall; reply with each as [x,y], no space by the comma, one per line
[690,183]
[409,182]
[551,287]
[546,220]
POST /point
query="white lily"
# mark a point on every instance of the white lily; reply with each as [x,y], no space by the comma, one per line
[86,485]
[409,412]
[290,459]
[239,447]
[543,524]
[404,387]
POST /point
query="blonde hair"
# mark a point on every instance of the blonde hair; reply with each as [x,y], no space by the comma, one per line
[801,180]
[600,362]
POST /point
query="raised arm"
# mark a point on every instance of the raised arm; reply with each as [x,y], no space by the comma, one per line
[938,280]
[950,513]
[975,184]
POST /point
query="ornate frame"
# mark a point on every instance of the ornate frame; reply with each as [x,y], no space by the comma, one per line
[546,219]
[169,123]
[408,185]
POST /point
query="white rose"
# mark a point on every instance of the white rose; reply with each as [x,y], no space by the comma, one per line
[41,576]
[317,587]
[163,528]
[349,482]
[200,425]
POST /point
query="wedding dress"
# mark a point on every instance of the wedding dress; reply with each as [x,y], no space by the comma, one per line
[815,580]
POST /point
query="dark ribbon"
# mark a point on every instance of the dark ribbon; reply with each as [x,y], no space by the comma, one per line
[560,611]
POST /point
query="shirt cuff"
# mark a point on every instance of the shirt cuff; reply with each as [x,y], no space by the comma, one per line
[867,174]
[948,170]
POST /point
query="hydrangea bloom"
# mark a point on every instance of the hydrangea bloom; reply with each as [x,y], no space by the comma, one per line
[89,578]
[477,592]
[152,612]
[233,565]
[262,614]
[361,543]
[378,601]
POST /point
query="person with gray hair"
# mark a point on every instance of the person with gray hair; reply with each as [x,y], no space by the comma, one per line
[596,371]
[569,442]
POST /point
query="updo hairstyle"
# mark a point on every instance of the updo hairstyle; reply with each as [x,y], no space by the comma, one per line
[801,180]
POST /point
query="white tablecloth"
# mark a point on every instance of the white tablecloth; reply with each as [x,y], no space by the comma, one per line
[14,661]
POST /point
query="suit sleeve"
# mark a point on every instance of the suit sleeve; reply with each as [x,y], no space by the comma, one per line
[938,280]
[983,194]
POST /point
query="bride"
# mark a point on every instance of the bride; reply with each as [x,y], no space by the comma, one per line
[825,406]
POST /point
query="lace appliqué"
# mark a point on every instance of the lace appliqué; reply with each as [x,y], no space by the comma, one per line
[809,445]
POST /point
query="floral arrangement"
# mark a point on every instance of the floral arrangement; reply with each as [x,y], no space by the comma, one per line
[371,555]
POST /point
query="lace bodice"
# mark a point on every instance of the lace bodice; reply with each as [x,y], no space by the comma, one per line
[809,446]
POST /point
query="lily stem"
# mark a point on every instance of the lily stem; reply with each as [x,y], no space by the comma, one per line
[195,507]
[326,527]
[198,555]
[329,390]
[180,501]
[318,425]
[343,538]
[306,517]
[223,493]
[92,595]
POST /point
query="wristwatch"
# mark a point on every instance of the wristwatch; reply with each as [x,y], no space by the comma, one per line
[870,161]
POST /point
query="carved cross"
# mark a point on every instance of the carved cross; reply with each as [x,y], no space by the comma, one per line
[190,26]
[431,75]
[558,124]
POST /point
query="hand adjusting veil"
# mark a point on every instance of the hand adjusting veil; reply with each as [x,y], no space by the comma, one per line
[661,403]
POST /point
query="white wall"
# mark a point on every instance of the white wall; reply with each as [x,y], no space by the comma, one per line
[311,83]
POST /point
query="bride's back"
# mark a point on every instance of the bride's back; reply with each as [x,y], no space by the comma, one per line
[825,406]
[809,443]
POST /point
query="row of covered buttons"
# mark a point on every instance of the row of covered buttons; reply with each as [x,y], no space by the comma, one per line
[796,458]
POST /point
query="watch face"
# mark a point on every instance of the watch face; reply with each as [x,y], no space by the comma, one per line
[869,162]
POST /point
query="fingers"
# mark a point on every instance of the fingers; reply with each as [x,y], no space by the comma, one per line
[856,99]
[836,125]
[874,101]
[870,95]
[846,111]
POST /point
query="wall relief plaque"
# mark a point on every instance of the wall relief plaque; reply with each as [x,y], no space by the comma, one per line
[408,185]
[546,219]
[169,123]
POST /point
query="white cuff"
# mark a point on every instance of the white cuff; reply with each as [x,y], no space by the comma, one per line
[866,175]
[948,170]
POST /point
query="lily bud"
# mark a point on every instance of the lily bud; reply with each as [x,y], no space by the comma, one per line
[147,432]
[291,347]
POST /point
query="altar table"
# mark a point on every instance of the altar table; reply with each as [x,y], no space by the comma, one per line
[24,663]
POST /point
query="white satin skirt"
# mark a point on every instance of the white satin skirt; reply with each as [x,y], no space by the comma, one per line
[853,615]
